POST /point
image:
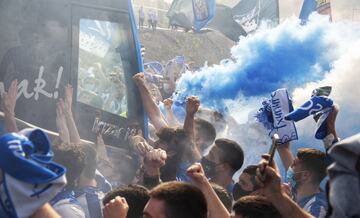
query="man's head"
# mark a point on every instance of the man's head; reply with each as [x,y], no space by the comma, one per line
[136,196]
[247,183]
[254,207]
[177,144]
[224,196]
[176,200]
[73,158]
[205,133]
[225,158]
[309,167]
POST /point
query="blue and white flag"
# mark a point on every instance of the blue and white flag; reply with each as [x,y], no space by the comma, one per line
[156,66]
[308,7]
[311,107]
[281,105]
[204,11]
[272,116]
[29,178]
[319,106]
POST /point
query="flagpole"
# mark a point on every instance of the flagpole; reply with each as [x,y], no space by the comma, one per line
[278,11]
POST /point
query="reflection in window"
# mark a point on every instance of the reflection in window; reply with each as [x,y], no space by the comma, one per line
[201,10]
[101,81]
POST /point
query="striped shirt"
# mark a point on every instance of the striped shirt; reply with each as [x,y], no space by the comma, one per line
[90,200]
[315,204]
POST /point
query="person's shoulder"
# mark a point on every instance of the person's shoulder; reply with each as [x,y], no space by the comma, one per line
[321,197]
[317,205]
[69,208]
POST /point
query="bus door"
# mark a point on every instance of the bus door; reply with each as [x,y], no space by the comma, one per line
[104,59]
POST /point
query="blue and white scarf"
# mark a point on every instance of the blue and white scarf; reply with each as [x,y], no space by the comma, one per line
[272,116]
[29,178]
[318,106]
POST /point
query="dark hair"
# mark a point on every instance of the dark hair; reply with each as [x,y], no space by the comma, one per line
[181,200]
[251,171]
[224,196]
[73,159]
[314,161]
[206,130]
[176,140]
[232,153]
[254,207]
[90,161]
[136,196]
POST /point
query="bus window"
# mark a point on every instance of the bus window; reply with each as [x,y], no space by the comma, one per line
[104,59]
[101,79]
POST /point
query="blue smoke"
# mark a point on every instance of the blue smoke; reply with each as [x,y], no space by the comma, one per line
[286,56]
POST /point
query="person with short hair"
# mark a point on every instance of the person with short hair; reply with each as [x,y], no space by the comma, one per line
[270,182]
[223,195]
[65,202]
[177,144]
[176,200]
[89,191]
[255,207]
[204,133]
[247,184]
[224,159]
[304,176]
[136,196]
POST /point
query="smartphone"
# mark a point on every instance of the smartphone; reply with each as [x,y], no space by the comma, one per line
[275,138]
[322,91]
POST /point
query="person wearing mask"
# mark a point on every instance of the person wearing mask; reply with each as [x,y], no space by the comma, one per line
[304,176]
[223,160]
[247,184]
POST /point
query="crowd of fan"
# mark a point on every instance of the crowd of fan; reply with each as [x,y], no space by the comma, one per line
[184,171]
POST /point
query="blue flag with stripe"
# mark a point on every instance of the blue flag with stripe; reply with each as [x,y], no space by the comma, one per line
[204,11]
[308,7]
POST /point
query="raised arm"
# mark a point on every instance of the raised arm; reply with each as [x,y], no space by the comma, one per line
[170,117]
[103,159]
[116,208]
[332,136]
[66,104]
[286,156]
[153,160]
[150,106]
[215,207]
[192,106]
[270,183]
[61,124]
[9,103]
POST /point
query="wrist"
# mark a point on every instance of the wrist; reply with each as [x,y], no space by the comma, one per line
[9,113]
[151,171]
[190,114]
[68,114]
[278,197]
